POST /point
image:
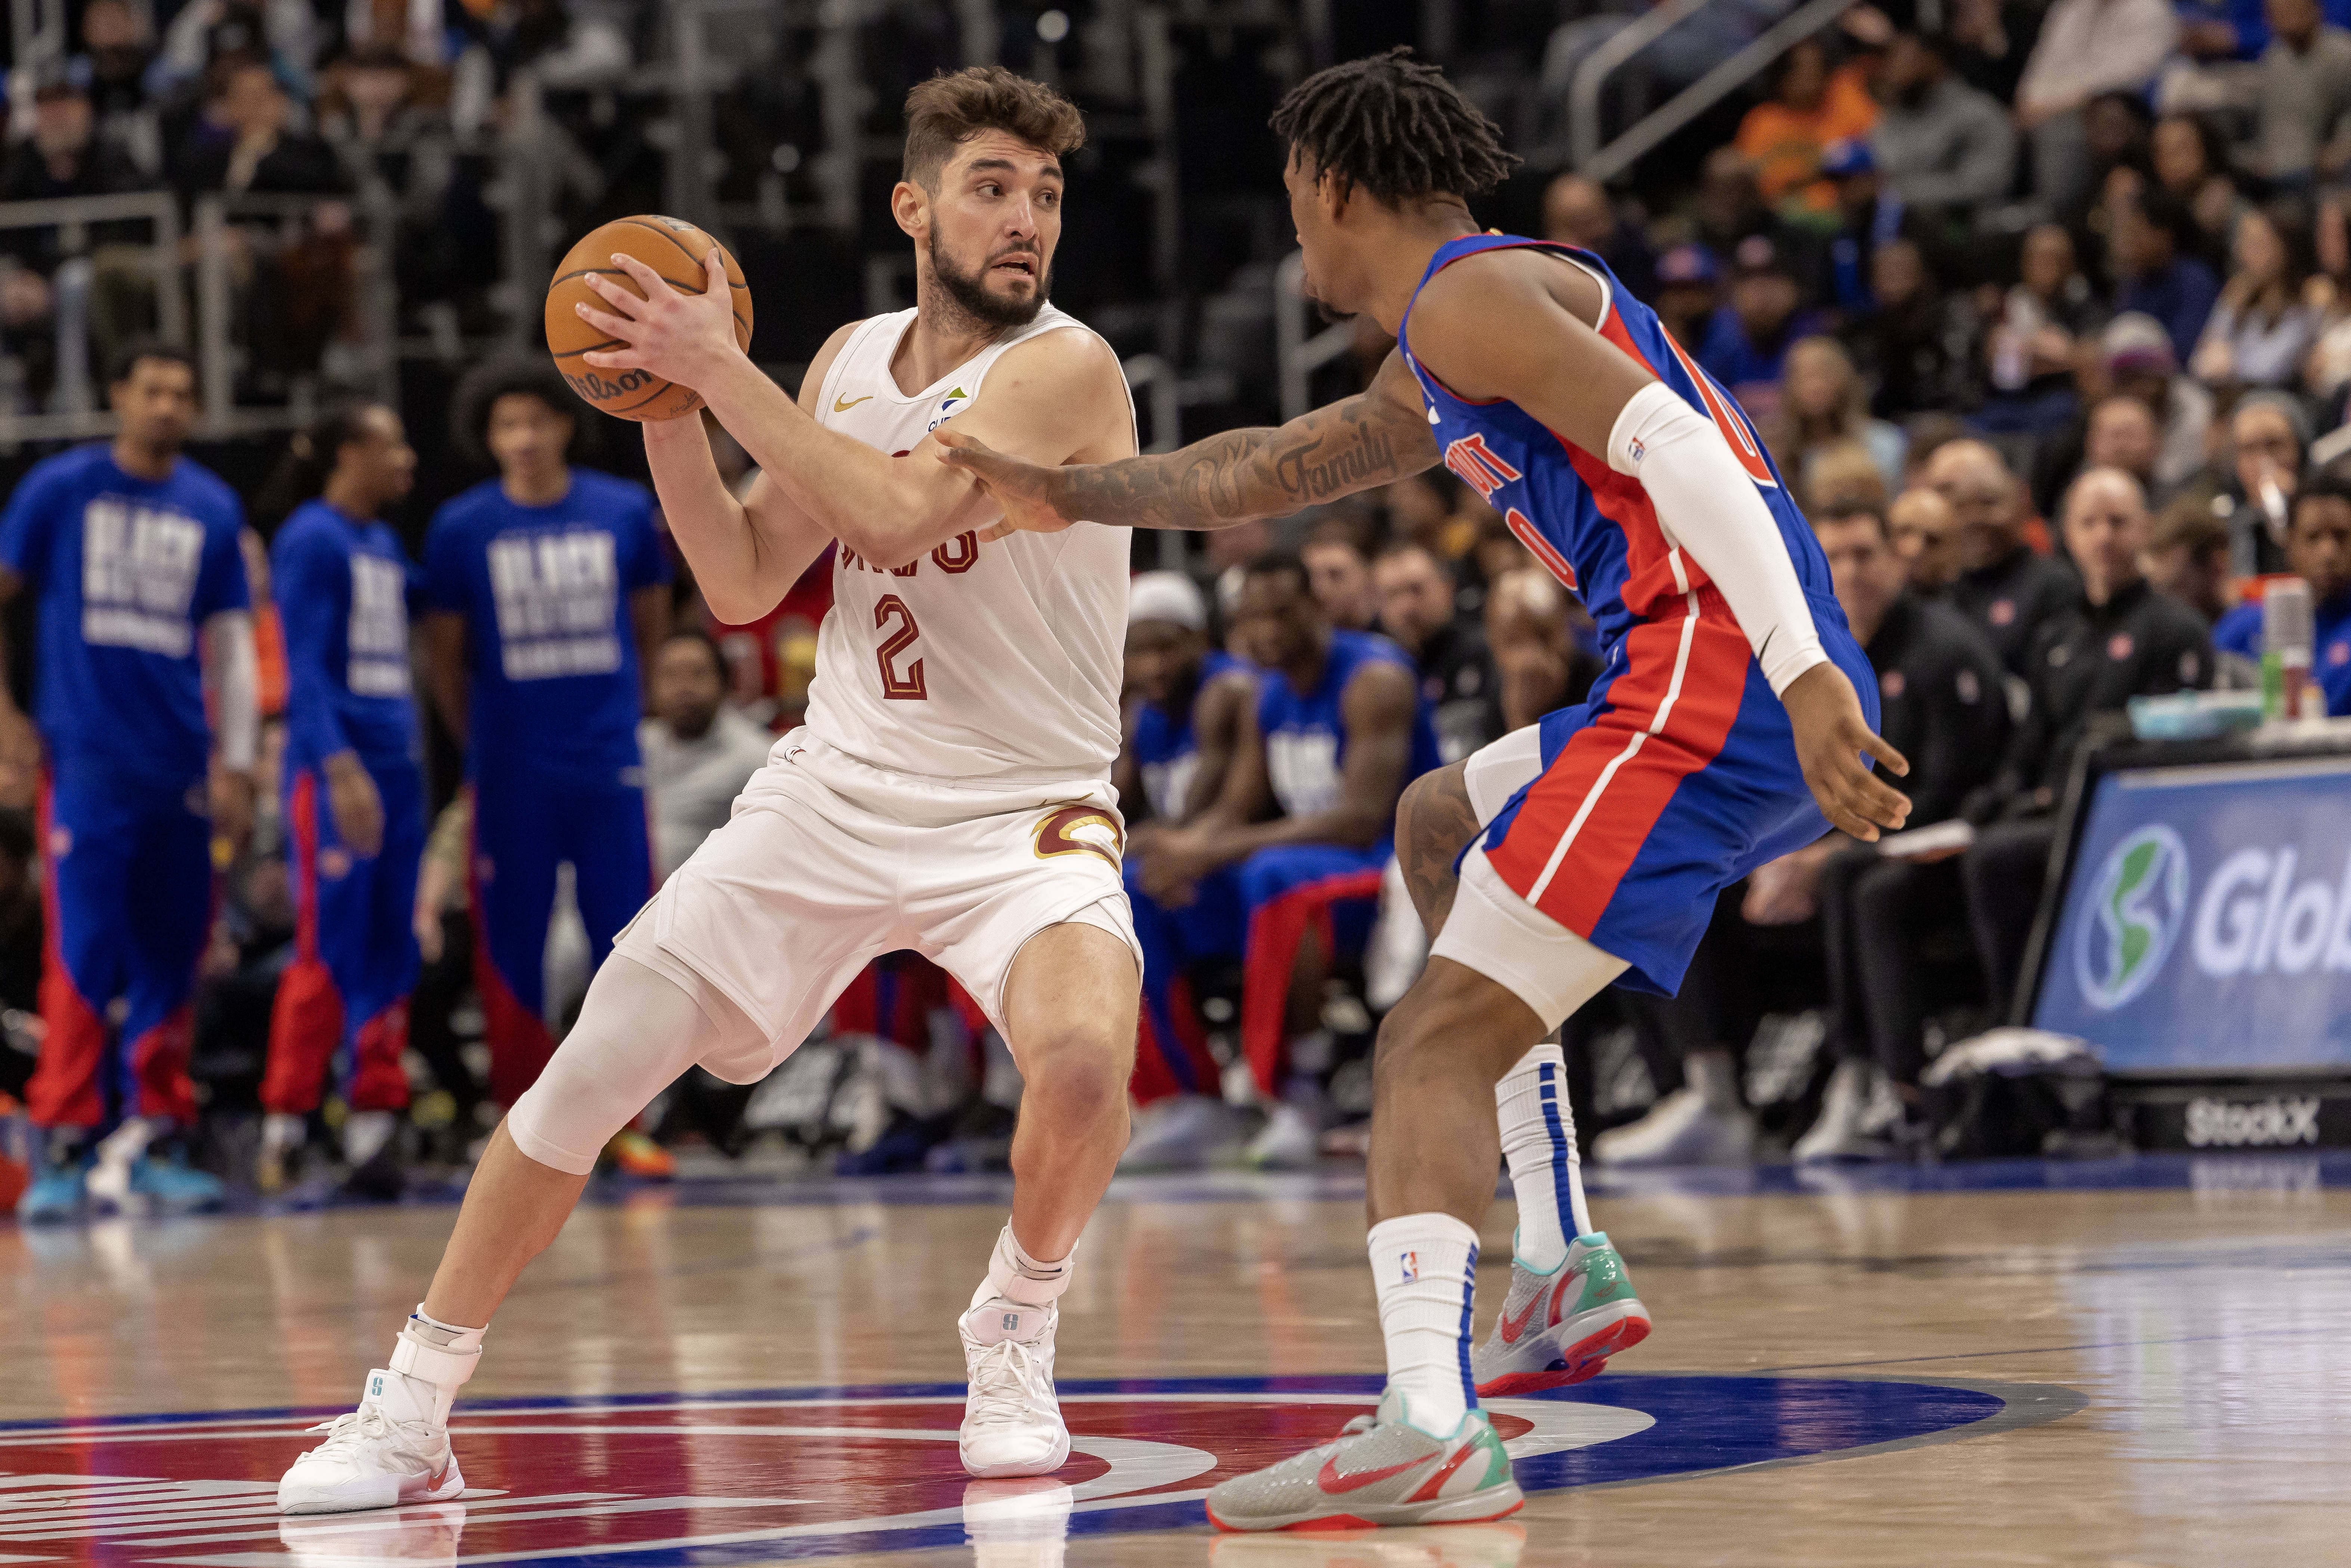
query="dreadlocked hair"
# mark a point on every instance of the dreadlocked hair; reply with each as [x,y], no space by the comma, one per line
[1393,126]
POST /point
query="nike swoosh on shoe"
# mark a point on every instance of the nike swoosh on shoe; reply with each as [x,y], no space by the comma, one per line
[1334,1484]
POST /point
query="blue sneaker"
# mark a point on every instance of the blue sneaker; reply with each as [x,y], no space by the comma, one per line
[56,1194]
[172,1186]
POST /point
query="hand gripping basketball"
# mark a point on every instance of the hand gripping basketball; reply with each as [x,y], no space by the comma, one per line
[593,276]
[679,338]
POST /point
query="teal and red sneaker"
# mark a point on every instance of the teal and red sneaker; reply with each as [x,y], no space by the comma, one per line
[1382,1470]
[1561,1327]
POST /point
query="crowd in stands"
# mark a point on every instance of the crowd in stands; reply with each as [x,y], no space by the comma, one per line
[384,114]
[2044,315]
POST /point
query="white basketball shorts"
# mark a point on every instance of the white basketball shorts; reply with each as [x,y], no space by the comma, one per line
[827,863]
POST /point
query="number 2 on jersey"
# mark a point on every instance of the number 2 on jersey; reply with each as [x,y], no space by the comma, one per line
[907,687]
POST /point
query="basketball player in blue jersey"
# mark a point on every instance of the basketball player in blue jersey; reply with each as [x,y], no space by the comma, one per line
[1731,724]
[1180,741]
[354,791]
[130,553]
[1338,729]
[547,594]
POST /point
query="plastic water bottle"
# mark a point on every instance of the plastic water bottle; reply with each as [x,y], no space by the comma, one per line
[2287,639]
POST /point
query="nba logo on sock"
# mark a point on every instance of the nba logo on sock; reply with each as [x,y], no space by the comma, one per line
[1411,1268]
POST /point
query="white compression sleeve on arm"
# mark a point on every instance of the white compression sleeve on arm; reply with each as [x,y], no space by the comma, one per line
[1706,505]
[233,671]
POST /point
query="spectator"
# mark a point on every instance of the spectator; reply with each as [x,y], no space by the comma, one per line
[1182,735]
[1747,341]
[1941,704]
[284,34]
[119,45]
[1917,346]
[2261,328]
[1426,507]
[1990,40]
[2318,550]
[566,52]
[2269,435]
[247,140]
[1842,476]
[2136,358]
[699,751]
[1810,106]
[2122,435]
[1577,211]
[2030,351]
[1730,210]
[2118,639]
[1457,672]
[1867,216]
[2086,47]
[1341,573]
[2189,157]
[1340,731]
[1689,283]
[1940,142]
[68,300]
[2305,96]
[1925,535]
[2188,557]
[2003,585]
[1822,403]
[1538,663]
[2154,254]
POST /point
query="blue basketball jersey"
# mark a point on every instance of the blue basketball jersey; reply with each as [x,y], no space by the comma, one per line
[1166,751]
[1306,732]
[551,652]
[124,572]
[341,585]
[1595,528]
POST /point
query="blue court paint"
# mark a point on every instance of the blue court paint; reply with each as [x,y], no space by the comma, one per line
[1623,1430]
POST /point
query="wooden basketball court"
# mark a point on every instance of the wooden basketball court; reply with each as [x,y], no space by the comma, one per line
[2135,1364]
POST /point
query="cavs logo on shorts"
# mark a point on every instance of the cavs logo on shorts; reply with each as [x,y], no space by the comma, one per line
[1058,830]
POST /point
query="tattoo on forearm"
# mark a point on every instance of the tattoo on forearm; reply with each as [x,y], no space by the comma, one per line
[1268,472]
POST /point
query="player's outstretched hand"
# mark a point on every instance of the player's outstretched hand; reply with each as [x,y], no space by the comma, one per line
[1032,495]
[1832,735]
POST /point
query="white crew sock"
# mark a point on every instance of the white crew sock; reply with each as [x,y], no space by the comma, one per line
[1539,1142]
[1426,1268]
[1015,1277]
[440,1356]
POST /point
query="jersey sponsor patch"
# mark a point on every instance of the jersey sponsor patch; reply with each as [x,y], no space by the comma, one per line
[557,596]
[139,567]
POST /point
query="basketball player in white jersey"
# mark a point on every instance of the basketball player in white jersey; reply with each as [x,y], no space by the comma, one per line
[949,793]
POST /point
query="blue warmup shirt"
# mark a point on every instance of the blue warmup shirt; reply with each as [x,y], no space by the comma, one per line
[124,572]
[2239,631]
[341,587]
[550,648]
[1165,749]
[1306,732]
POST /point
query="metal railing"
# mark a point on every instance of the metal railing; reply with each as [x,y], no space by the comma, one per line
[204,273]
[1297,354]
[1605,163]
[1158,394]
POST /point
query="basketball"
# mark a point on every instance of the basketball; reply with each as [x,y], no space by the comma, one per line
[672,247]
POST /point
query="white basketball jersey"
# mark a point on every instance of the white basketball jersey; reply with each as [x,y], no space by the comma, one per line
[988,663]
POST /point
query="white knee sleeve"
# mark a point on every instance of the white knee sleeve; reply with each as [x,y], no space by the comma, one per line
[637,1031]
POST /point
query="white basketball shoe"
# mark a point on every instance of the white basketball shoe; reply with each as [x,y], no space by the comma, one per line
[389,1451]
[1011,1422]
